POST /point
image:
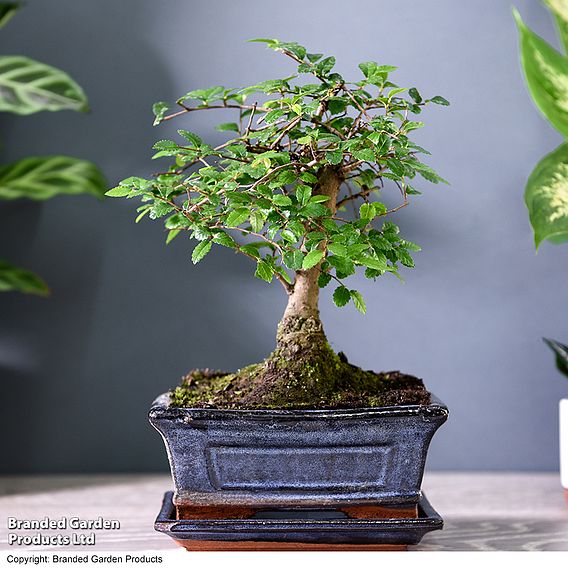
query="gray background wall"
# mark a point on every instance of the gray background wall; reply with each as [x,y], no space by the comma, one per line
[128,315]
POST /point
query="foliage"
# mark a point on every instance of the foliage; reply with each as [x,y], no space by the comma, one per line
[546,73]
[27,87]
[257,192]
[561,352]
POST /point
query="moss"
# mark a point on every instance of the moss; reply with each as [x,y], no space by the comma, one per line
[302,372]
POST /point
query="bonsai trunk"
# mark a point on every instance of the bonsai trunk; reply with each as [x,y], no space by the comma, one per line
[301,321]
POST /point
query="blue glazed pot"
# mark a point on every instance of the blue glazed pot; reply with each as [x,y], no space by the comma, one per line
[297,458]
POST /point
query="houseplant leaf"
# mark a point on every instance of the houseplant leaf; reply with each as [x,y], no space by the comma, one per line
[7,10]
[18,279]
[28,86]
[45,177]
[546,197]
[561,352]
[559,8]
[546,73]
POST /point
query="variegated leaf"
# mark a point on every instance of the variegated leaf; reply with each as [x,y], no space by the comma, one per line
[546,73]
[28,86]
[17,279]
[546,197]
[42,178]
[559,8]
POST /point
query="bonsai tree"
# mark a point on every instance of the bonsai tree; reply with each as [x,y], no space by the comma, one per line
[27,87]
[295,188]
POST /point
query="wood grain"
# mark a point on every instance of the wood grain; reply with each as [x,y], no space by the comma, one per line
[482,511]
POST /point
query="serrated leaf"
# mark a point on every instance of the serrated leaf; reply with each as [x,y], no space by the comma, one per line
[303,193]
[28,86]
[374,263]
[312,258]
[324,279]
[282,200]
[42,178]
[358,301]
[264,271]
[546,197]
[191,137]
[546,73]
[341,296]
[17,279]
[257,221]
[200,251]
[337,249]
[225,240]
[294,259]
[237,217]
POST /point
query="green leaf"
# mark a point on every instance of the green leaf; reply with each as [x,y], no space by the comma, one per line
[225,126]
[28,86]
[324,279]
[42,178]
[237,217]
[159,110]
[546,197]
[191,137]
[337,249]
[119,191]
[358,301]
[559,9]
[341,296]
[312,258]
[294,259]
[200,251]
[7,10]
[225,240]
[172,235]
[282,200]
[440,100]
[561,352]
[546,73]
[371,262]
[415,95]
[20,280]
[303,193]
[264,271]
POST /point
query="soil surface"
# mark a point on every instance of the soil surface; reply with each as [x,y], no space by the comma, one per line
[204,388]
[303,372]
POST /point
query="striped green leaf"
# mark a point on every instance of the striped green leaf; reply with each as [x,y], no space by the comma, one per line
[17,279]
[546,197]
[42,178]
[28,86]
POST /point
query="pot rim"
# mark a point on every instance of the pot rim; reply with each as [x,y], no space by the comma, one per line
[161,409]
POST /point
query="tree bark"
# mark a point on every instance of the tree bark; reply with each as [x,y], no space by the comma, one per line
[303,300]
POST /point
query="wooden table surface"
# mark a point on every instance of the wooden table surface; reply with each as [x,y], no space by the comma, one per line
[481,511]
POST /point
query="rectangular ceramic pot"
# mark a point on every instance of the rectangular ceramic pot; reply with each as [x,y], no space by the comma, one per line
[297,458]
